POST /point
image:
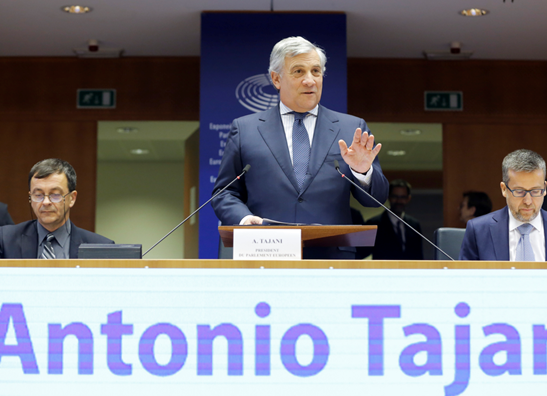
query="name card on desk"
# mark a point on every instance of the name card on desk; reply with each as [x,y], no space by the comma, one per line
[264,244]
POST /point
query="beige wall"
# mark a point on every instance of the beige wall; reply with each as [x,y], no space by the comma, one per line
[140,203]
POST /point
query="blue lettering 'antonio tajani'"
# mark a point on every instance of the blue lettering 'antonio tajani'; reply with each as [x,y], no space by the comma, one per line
[376,319]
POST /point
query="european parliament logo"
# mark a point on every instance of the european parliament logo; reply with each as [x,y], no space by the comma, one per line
[256,93]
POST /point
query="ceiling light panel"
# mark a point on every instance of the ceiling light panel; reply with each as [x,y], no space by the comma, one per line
[76,9]
[474,12]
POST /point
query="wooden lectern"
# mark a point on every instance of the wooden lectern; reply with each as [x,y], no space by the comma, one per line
[315,236]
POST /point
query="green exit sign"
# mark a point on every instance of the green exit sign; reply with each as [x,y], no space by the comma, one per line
[443,101]
[96,99]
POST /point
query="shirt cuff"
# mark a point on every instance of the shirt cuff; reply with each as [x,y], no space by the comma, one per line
[243,220]
[364,179]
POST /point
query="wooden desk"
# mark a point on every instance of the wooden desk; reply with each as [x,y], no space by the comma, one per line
[304,264]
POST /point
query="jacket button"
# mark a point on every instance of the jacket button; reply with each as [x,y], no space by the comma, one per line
[300,200]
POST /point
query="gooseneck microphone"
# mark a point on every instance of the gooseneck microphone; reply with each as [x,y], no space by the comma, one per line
[337,166]
[245,170]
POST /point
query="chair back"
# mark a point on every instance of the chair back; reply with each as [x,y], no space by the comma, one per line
[224,253]
[449,240]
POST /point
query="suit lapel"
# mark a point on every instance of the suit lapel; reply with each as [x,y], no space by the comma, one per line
[326,131]
[499,232]
[29,242]
[392,235]
[272,131]
[544,215]
[75,241]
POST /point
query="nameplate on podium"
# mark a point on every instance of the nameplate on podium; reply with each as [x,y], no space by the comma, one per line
[267,244]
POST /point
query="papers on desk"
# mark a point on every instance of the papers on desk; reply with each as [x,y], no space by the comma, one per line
[284,223]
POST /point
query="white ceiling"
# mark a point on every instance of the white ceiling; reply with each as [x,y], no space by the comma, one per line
[376,28]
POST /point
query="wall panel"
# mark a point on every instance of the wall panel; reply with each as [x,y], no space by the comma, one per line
[25,143]
[472,156]
[147,88]
[383,90]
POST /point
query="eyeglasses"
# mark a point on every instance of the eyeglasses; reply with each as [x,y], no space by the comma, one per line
[53,198]
[536,193]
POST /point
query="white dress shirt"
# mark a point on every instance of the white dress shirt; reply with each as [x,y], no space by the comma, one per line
[537,237]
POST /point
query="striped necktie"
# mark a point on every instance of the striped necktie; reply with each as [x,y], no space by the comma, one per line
[48,252]
[300,148]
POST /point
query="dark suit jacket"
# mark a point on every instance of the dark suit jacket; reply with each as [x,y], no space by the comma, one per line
[270,189]
[487,237]
[5,218]
[388,246]
[21,240]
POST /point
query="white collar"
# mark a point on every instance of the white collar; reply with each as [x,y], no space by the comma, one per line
[286,110]
[514,223]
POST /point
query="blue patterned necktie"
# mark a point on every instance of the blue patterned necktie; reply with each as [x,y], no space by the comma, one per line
[48,252]
[300,148]
[524,247]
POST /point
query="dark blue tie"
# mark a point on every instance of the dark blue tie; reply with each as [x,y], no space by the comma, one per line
[300,148]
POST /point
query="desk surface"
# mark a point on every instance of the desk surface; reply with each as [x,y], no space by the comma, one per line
[304,264]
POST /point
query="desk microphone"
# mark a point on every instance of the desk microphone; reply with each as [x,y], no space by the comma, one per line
[337,166]
[245,170]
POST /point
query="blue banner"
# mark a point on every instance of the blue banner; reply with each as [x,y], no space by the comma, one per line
[235,53]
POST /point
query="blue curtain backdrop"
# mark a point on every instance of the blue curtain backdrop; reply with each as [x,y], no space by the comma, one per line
[235,53]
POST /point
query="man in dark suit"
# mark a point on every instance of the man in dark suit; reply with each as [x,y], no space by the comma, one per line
[291,149]
[518,231]
[52,193]
[394,240]
[5,218]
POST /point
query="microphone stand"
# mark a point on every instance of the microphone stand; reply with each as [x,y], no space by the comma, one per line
[337,166]
[245,170]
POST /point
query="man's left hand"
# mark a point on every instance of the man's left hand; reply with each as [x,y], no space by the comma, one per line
[360,155]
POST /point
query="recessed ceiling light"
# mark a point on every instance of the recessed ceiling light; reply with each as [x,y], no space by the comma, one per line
[396,153]
[140,151]
[473,12]
[76,9]
[127,130]
[410,132]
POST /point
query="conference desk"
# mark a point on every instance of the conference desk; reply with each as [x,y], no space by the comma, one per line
[302,264]
[225,327]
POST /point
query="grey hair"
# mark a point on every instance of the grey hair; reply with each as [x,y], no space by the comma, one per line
[293,46]
[521,161]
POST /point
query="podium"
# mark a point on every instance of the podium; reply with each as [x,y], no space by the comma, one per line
[314,236]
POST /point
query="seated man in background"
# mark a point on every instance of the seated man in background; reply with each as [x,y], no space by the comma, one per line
[394,240]
[52,193]
[5,218]
[474,204]
[516,232]
[358,219]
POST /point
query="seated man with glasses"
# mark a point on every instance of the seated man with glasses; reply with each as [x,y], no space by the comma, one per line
[516,232]
[52,192]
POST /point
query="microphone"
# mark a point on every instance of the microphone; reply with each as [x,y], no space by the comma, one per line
[245,170]
[337,166]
